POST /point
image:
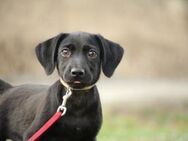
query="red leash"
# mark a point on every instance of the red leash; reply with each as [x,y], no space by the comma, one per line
[46,126]
[60,112]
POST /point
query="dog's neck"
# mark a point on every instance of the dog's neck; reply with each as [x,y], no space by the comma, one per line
[60,91]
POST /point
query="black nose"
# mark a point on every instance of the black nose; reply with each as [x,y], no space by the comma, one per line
[76,72]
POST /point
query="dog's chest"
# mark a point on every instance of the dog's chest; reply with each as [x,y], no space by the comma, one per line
[72,128]
[81,121]
[78,125]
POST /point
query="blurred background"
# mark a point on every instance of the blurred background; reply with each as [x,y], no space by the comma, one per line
[147,98]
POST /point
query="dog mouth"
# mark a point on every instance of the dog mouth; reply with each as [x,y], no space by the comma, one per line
[77,84]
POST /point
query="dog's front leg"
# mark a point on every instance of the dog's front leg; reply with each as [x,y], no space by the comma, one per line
[44,113]
[34,127]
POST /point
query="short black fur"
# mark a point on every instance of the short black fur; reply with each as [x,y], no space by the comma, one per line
[78,58]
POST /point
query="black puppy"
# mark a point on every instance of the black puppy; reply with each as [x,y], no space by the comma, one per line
[78,58]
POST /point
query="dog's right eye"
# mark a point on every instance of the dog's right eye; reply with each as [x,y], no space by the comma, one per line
[66,53]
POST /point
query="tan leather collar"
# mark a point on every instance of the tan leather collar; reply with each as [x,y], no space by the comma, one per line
[79,89]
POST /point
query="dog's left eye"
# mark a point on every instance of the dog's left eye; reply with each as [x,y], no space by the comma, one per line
[92,54]
[66,53]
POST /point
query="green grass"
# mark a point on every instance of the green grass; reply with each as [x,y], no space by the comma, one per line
[145,126]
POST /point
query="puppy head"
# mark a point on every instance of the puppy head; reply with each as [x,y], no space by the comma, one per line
[79,56]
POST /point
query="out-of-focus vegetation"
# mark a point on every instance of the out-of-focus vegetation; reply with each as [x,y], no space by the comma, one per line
[153,33]
[146,125]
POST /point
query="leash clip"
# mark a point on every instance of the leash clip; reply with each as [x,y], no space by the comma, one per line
[62,108]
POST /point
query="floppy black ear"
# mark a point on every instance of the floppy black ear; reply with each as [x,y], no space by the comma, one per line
[112,54]
[46,52]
